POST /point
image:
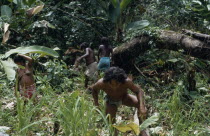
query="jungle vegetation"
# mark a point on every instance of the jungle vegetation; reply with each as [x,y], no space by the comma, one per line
[165,41]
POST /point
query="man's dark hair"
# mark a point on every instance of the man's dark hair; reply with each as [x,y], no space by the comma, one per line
[83,45]
[105,40]
[115,73]
[19,59]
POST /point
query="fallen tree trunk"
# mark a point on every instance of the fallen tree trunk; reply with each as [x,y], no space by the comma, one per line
[199,36]
[123,55]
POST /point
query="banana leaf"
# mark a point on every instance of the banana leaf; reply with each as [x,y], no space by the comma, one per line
[33,49]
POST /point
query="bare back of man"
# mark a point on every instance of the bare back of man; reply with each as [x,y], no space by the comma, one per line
[105,51]
[91,71]
[91,57]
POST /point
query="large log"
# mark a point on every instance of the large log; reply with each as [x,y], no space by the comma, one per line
[199,36]
[124,54]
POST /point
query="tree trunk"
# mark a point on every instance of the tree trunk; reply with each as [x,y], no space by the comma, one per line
[199,36]
[124,55]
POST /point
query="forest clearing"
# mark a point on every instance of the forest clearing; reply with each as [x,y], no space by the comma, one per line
[157,60]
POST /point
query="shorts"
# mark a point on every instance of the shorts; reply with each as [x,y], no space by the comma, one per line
[112,102]
[28,91]
[104,64]
[91,70]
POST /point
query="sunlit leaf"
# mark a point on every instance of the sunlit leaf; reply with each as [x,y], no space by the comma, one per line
[5,37]
[33,49]
[43,23]
[3,130]
[15,1]
[6,27]
[138,25]
[129,127]
[173,60]
[197,2]
[32,11]
[152,120]
[6,33]
[156,130]
[124,4]
[6,11]
[9,68]
[56,49]
[208,7]
[37,9]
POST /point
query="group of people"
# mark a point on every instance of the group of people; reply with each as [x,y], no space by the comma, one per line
[115,82]
[104,54]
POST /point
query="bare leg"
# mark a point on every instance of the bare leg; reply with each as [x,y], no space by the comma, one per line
[132,101]
[112,110]
[86,81]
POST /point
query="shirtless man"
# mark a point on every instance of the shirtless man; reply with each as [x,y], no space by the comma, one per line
[91,72]
[104,53]
[116,84]
[25,77]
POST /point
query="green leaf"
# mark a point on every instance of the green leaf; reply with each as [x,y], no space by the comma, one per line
[124,4]
[149,121]
[197,2]
[129,127]
[91,133]
[29,2]
[114,13]
[138,25]
[9,68]
[114,2]
[173,60]
[6,11]
[42,23]
[200,64]
[208,7]
[33,49]
[19,3]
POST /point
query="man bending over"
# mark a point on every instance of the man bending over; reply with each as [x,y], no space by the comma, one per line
[116,84]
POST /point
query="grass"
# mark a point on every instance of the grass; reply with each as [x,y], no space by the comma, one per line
[77,116]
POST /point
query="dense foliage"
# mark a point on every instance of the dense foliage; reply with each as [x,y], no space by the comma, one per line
[163,74]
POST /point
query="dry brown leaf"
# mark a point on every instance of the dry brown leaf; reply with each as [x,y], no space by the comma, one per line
[29,12]
[32,11]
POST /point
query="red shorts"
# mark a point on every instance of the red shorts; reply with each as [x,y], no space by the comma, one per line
[28,91]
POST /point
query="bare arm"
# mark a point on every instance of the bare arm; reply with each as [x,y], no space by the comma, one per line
[111,54]
[83,56]
[29,59]
[67,52]
[95,90]
[99,52]
[140,96]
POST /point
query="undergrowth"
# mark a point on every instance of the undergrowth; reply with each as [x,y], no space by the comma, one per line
[68,104]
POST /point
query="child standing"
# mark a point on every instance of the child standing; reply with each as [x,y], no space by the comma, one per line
[25,78]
